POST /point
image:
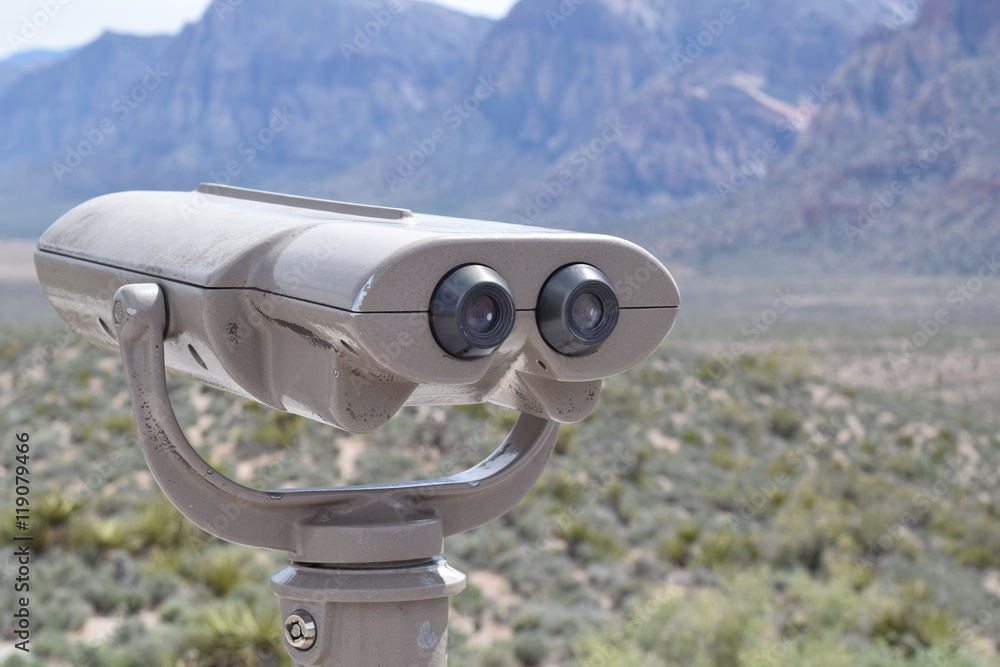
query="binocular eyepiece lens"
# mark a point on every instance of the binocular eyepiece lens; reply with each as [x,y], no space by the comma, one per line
[587,311]
[472,312]
[577,310]
[482,313]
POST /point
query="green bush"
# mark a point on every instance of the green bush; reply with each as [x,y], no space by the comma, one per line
[222,569]
[584,540]
[784,422]
[532,648]
[234,634]
[748,545]
[677,548]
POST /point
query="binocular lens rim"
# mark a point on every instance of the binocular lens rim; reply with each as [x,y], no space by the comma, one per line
[452,302]
[555,310]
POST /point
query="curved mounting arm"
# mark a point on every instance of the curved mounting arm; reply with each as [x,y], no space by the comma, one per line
[363,524]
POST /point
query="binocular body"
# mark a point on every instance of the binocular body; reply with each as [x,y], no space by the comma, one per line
[344,313]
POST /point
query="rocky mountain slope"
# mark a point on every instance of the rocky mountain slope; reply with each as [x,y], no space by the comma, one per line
[595,115]
[19,65]
[255,92]
[898,169]
[694,86]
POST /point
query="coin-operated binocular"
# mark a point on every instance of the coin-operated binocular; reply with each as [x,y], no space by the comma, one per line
[344,313]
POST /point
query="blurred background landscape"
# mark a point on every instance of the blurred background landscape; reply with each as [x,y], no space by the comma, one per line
[815,486]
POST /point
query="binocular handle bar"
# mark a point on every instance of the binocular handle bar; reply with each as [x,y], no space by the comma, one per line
[351,525]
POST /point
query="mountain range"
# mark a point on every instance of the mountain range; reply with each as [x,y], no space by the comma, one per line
[707,130]
[898,170]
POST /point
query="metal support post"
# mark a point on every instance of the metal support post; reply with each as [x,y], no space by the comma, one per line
[367,584]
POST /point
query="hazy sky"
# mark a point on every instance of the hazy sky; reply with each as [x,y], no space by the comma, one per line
[57,24]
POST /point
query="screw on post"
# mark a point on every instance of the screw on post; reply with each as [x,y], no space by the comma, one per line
[300,630]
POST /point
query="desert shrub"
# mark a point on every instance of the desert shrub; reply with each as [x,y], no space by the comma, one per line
[709,369]
[531,648]
[159,524]
[779,368]
[498,654]
[565,441]
[784,422]
[160,586]
[724,548]
[737,415]
[911,618]
[473,604]
[724,458]
[50,520]
[122,423]
[597,548]
[109,598]
[94,534]
[584,540]
[236,634]
[677,548]
[692,436]
[979,544]
[562,486]
[21,661]
[903,465]
[222,569]
[65,613]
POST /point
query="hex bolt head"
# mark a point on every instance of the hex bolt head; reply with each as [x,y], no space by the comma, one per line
[300,630]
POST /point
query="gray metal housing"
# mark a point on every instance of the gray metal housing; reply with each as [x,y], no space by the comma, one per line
[320,308]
